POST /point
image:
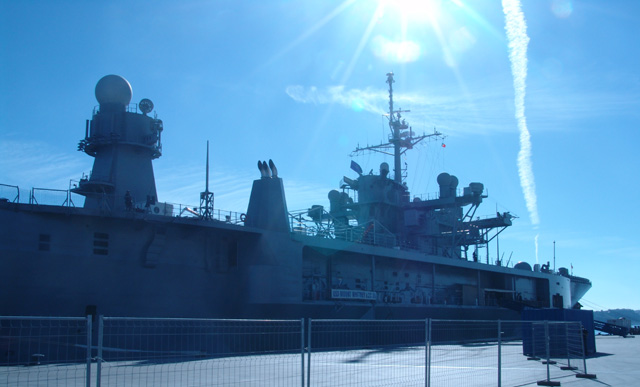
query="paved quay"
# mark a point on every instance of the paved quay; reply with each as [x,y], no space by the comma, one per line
[617,363]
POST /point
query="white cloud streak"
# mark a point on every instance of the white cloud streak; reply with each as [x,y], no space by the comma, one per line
[369,100]
[455,114]
[516,29]
[36,164]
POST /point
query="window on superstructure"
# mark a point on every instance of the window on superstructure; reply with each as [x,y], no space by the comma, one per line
[100,243]
[44,242]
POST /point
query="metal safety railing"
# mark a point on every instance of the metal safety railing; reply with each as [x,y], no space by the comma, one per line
[324,225]
[115,351]
[10,193]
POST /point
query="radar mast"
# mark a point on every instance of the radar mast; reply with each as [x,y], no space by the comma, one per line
[401,138]
[206,197]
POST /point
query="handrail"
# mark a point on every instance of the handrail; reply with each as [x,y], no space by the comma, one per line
[326,226]
[16,199]
[68,202]
[178,210]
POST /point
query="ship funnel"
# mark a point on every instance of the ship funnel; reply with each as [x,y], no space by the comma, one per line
[274,170]
[267,205]
[265,173]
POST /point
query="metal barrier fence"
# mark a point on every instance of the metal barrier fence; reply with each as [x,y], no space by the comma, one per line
[45,351]
[366,353]
[114,351]
[198,352]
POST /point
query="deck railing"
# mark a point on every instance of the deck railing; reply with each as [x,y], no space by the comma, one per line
[322,224]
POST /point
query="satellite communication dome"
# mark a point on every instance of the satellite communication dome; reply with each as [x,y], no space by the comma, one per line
[113,89]
[522,266]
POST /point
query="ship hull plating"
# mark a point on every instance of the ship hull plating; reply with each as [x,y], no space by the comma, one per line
[64,261]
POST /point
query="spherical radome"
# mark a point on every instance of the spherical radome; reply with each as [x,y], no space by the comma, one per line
[113,89]
[523,266]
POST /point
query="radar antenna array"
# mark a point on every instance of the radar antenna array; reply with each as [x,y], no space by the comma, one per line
[401,138]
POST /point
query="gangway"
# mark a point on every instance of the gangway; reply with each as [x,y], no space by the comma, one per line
[610,328]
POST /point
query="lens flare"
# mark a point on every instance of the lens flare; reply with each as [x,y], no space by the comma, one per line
[562,8]
[395,51]
[413,10]
[357,105]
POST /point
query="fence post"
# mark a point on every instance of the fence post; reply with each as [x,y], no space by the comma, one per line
[499,353]
[547,340]
[89,329]
[309,355]
[302,350]
[99,356]
[533,356]
[586,375]
[427,355]
[566,335]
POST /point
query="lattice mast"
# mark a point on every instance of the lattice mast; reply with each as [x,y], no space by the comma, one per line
[401,138]
[206,197]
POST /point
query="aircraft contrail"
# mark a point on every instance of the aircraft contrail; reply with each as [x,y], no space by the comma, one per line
[516,29]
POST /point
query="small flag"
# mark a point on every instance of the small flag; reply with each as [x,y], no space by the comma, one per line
[356,167]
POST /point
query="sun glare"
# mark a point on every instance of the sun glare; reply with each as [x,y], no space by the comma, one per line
[413,10]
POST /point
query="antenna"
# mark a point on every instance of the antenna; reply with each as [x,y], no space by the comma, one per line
[206,197]
[400,139]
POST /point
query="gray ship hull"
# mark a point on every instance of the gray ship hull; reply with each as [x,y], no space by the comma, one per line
[143,265]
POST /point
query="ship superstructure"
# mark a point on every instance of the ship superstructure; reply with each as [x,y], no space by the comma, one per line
[374,253]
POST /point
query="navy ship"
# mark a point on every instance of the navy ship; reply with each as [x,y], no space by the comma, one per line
[375,252]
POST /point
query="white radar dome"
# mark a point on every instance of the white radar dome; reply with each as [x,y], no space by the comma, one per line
[113,89]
